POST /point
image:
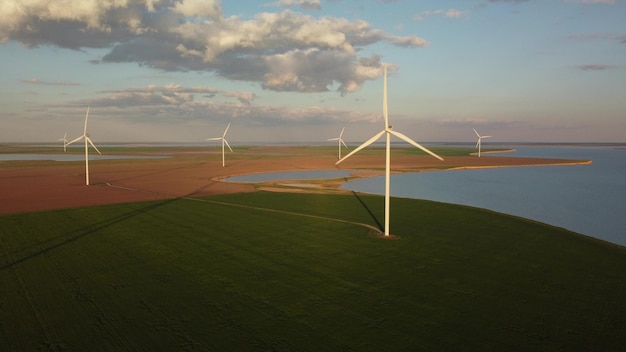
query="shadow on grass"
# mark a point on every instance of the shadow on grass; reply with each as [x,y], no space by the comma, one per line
[371,214]
[49,244]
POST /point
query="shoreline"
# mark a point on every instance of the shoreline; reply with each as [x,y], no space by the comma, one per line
[333,185]
[573,163]
[195,172]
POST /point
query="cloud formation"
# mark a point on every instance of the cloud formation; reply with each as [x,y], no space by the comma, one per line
[282,51]
[245,98]
[305,4]
[450,13]
[47,83]
[594,67]
[172,103]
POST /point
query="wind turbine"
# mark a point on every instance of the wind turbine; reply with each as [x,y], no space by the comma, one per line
[224,141]
[479,139]
[339,141]
[388,131]
[85,136]
[64,140]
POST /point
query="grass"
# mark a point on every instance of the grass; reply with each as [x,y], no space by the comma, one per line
[203,275]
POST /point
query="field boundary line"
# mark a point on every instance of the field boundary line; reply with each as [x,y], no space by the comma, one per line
[320,217]
[327,218]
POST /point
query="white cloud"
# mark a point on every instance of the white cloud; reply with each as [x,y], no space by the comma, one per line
[449,13]
[245,98]
[453,13]
[48,83]
[195,35]
[210,9]
[305,4]
[173,103]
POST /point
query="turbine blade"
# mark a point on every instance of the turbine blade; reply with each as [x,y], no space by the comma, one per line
[214,139]
[93,145]
[227,127]
[385,115]
[476,132]
[344,144]
[477,143]
[333,139]
[341,134]
[86,117]
[365,144]
[75,140]
[410,141]
[485,136]
[228,145]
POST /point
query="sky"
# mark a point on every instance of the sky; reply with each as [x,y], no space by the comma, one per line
[283,71]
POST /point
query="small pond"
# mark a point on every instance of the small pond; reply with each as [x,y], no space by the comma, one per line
[290,175]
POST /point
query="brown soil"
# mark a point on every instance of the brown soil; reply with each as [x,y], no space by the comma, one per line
[46,185]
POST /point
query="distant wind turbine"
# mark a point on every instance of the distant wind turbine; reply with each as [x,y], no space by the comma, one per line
[85,136]
[64,140]
[339,141]
[479,141]
[224,141]
[388,132]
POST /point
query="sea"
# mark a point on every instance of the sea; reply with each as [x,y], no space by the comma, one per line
[589,199]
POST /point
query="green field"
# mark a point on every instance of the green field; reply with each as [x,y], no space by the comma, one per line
[233,273]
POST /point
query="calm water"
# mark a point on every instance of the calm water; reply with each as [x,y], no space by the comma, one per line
[587,199]
[70,157]
[290,175]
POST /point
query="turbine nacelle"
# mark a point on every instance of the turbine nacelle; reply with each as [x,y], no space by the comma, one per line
[388,131]
[85,136]
[339,141]
[478,143]
[64,140]
[224,141]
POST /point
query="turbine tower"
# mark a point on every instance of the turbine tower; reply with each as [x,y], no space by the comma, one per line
[339,141]
[224,141]
[85,136]
[479,139]
[64,140]
[388,131]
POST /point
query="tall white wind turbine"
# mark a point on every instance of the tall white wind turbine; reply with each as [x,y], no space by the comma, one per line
[388,131]
[224,141]
[339,141]
[85,136]
[479,141]
[64,140]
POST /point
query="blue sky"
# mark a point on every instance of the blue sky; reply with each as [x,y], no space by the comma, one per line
[300,70]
